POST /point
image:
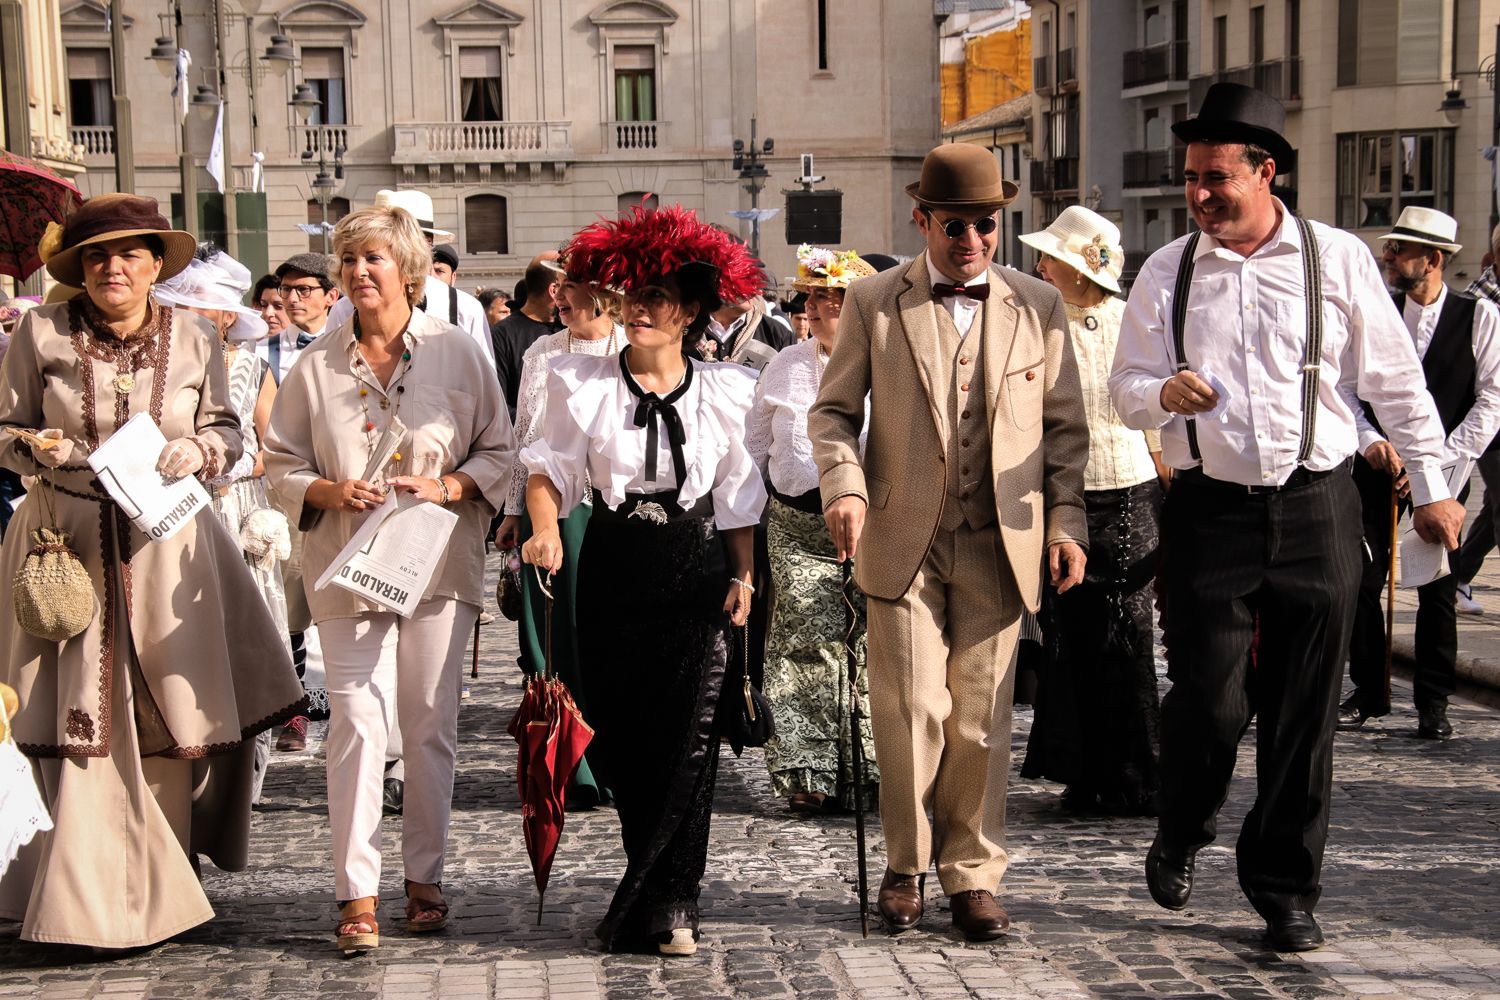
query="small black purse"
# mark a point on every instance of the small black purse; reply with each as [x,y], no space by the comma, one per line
[744,713]
[508,588]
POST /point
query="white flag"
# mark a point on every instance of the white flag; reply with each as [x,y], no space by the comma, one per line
[215,164]
[258,173]
[180,84]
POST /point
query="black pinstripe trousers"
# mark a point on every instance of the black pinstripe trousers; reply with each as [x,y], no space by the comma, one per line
[1260,603]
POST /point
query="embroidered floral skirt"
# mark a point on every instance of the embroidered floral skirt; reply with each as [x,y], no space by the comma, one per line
[1097,708]
[806,677]
[652,654]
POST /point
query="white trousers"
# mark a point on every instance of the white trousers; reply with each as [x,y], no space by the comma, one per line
[376,665]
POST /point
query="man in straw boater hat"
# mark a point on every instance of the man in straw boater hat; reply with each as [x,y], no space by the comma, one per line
[1239,342]
[1455,335]
[973,474]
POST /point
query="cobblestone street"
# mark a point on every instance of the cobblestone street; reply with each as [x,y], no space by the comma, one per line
[1411,906]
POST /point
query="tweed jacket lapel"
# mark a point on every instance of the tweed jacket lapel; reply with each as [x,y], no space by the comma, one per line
[919,321]
[1000,319]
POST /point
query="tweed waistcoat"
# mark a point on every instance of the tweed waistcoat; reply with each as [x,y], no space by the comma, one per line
[970,493]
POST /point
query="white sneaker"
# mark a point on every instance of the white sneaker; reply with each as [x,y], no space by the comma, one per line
[1465,601]
[682,943]
[486,618]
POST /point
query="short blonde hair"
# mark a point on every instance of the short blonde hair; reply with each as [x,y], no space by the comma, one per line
[395,229]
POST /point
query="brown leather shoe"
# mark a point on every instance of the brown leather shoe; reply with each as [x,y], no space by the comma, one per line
[901,900]
[977,915]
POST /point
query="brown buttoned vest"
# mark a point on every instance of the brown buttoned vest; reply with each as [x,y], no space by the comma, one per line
[971,492]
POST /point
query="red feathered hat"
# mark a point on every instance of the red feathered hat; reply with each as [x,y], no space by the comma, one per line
[647,245]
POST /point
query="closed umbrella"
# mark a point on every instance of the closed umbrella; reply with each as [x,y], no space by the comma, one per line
[552,737]
[33,196]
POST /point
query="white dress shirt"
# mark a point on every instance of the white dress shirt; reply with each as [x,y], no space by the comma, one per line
[962,308]
[777,436]
[1480,425]
[589,435]
[1247,326]
[287,348]
[471,317]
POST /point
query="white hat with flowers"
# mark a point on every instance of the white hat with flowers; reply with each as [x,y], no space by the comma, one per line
[1085,241]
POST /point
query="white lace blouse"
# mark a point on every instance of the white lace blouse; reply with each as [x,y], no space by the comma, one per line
[1118,456]
[589,433]
[531,396]
[777,436]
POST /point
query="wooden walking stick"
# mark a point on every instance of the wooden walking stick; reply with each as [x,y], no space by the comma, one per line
[1390,594]
[474,670]
[856,752]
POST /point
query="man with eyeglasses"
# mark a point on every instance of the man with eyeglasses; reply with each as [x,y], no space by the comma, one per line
[307,295]
[1244,343]
[1456,337]
[971,480]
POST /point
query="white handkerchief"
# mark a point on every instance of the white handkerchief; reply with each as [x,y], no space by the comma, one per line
[1221,409]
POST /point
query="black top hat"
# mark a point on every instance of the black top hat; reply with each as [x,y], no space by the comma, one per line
[1232,112]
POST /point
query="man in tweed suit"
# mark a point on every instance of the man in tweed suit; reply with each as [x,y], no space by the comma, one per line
[974,466]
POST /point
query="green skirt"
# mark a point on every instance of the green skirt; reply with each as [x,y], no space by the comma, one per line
[585,791]
[806,677]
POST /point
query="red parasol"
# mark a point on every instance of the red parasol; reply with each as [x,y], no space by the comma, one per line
[33,196]
[553,736]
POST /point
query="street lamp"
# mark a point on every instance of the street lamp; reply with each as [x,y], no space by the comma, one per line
[754,173]
[165,54]
[324,184]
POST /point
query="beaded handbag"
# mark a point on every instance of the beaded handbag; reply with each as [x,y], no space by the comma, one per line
[54,596]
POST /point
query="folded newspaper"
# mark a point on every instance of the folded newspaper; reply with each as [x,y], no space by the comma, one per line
[126,465]
[393,554]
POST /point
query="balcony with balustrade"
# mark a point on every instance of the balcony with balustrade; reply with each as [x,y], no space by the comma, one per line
[1051,176]
[1149,172]
[1156,69]
[481,142]
[646,138]
[310,140]
[98,142]
[1281,78]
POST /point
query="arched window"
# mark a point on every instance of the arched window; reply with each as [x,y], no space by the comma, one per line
[317,241]
[630,199]
[485,228]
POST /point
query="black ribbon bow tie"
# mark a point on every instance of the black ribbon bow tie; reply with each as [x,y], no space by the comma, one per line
[303,339]
[648,409]
[976,292]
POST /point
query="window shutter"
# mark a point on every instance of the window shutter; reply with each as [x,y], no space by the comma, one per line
[479,64]
[88,64]
[485,224]
[1421,48]
[323,64]
[1377,41]
[635,57]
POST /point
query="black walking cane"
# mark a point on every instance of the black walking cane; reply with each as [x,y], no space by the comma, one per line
[856,750]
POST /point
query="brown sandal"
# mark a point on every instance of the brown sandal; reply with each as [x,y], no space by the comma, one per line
[416,905]
[357,933]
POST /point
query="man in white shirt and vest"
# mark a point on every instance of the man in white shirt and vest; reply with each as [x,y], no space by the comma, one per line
[1455,336]
[1235,342]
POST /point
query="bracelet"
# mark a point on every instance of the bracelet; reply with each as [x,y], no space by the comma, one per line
[749,587]
[447,497]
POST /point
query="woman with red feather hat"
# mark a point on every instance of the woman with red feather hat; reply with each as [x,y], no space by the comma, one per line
[666,561]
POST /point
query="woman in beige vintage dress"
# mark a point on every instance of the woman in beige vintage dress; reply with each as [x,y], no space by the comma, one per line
[141,727]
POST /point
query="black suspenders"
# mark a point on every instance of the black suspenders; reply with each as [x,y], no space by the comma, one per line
[1312,353]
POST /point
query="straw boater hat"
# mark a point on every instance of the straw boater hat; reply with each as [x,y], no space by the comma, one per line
[1427,226]
[1087,242]
[108,217]
[1232,112]
[962,177]
[818,267]
[419,204]
[215,282]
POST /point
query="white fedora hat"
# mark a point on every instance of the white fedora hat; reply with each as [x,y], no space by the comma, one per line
[1085,241]
[1426,225]
[419,204]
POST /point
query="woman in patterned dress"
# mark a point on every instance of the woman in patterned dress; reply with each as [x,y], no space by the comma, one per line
[213,285]
[591,320]
[806,677]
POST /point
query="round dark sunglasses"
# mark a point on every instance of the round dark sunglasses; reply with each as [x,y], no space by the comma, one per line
[955,228]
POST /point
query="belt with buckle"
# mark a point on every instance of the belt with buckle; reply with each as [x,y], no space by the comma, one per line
[1301,476]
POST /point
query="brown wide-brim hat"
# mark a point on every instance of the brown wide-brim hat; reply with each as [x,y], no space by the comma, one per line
[114,217]
[962,177]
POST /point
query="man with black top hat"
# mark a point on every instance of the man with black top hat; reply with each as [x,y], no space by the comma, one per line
[972,483]
[1237,342]
[1455,336]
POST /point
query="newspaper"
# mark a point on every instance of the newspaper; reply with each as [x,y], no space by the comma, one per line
[1423,562]
[126,466]
[394,553]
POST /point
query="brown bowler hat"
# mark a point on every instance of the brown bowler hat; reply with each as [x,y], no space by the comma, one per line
[112,217]
[964,177]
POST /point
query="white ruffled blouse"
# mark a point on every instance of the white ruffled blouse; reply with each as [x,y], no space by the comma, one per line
[1118,456]
[531,396]
[588,433]
[777,438]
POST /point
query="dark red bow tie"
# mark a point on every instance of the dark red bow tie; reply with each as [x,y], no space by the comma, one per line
[977,292]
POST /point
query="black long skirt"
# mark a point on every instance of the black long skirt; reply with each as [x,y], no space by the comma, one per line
[1097,708]
[652,647]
